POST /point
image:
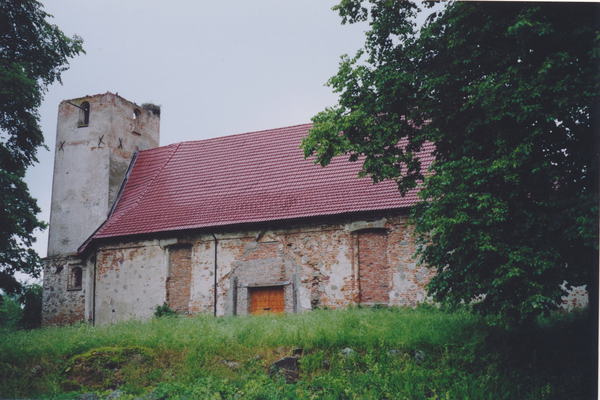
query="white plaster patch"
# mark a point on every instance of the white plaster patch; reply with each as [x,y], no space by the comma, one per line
[340,271]
[202,281]
[304,298]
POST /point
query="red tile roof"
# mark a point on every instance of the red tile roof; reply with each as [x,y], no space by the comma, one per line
[252,177]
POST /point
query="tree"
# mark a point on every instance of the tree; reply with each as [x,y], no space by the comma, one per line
[24,310]
[10,313]
[509,94]
[33,54]
[31,300]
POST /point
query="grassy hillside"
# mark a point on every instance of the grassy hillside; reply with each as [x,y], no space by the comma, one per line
[421,353]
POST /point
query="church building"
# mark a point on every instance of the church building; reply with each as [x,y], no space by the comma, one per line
[229,226]
[234,225]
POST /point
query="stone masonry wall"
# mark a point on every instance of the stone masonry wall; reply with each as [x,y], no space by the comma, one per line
[334,263]
[317,264]
[62,302]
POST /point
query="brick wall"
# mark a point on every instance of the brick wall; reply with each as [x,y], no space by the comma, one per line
[374,273]
[179,279]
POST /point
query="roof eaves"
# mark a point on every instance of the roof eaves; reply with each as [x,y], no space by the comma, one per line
[221,224]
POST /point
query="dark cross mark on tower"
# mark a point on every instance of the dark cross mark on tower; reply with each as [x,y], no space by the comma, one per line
[62,146]
[120,143]
[100,140]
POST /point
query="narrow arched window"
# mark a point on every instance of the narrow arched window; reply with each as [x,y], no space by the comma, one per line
[137,116]
[76,278]
[84,114]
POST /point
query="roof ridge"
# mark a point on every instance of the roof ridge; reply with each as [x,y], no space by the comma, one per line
[139,199]
[242,134]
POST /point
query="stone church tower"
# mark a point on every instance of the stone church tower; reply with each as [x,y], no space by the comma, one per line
[95,141]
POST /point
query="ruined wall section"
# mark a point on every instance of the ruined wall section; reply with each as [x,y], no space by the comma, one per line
[316,265]
[325,255]
[408,279]
[63,298]
[130,280]
[577,297]
[203,272]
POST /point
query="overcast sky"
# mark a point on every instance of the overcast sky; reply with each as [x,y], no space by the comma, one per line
[217,68]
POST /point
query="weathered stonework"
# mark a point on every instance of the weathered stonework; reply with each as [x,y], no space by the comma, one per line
[62,302]
[327,263]
[96,139]
[577,297]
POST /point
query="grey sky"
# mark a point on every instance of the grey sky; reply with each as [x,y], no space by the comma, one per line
[217,68]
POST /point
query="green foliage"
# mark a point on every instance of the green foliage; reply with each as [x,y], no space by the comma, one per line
[463,357]
[164,311]
[23,310]
[105,367]
[33,54]
[31,299]
[509,94]
[10,313]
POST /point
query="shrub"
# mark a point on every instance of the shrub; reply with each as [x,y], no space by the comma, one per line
[164,311]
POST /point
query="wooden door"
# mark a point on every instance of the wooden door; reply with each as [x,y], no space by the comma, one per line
[267,299]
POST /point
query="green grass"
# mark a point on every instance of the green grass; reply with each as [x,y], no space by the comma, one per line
[177,356]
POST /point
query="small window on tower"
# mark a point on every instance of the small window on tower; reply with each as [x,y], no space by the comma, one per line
[84,114]
[137,116]
[75,278]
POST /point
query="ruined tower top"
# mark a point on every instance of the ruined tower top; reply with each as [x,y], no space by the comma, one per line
[96,137]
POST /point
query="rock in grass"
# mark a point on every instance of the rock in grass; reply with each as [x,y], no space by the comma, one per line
[231,364]
[288,366]
[297,351]
[392,352]
[150,396]
[420,356]
[348,352]
[37,370]
[326,364]
[89,396]
[115,395]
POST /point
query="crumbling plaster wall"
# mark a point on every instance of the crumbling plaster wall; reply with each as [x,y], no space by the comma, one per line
[130,280]
[577,297]
[316,263]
